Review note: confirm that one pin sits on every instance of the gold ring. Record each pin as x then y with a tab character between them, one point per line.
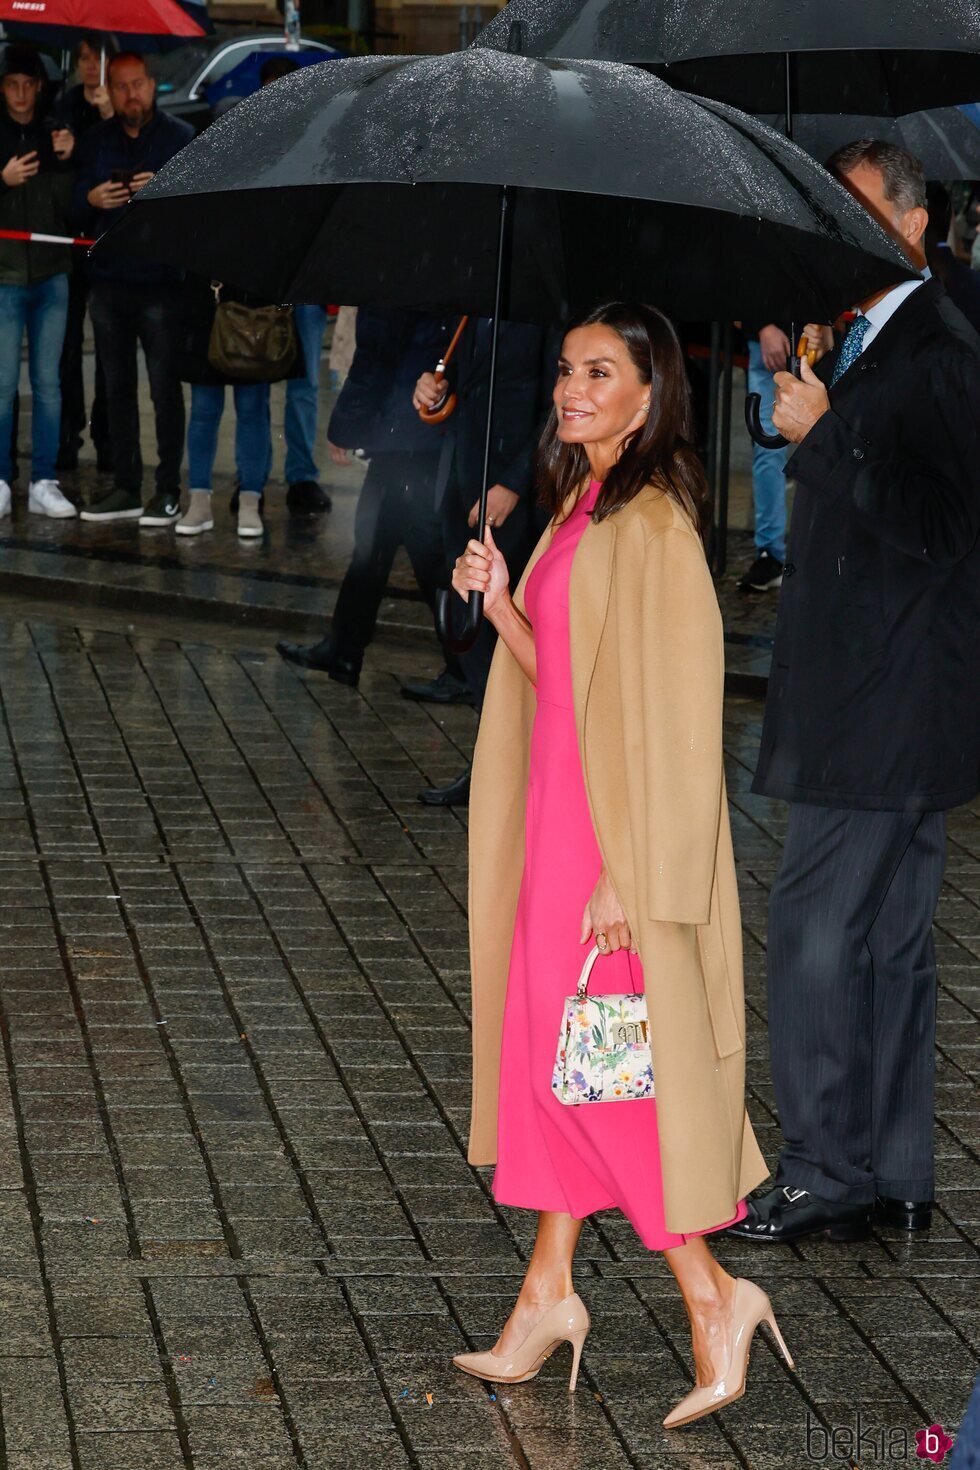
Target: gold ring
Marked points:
601	941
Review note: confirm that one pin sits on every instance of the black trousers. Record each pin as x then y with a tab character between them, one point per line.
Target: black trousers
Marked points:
127	316
852	1001
73	415
516	538
396	508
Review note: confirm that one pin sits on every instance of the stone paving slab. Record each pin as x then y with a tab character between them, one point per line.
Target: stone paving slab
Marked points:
239	1226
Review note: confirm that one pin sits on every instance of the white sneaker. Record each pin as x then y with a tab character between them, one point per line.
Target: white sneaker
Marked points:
197	517
4	498
45	499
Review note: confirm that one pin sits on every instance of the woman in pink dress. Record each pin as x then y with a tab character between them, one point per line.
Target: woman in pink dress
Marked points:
619	440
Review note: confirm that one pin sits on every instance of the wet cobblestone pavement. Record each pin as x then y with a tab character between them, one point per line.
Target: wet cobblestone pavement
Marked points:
238	1225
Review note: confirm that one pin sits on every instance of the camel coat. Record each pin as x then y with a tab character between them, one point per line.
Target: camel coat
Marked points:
648	681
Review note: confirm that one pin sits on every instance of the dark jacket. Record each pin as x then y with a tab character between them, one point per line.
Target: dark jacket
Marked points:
74	112
527	359
42	204
874	692
374	410
106	147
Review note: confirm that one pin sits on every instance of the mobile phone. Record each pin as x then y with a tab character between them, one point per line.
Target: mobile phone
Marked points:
123	176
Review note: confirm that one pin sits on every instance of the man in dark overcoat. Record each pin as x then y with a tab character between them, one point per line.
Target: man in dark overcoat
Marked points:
527	362
871	733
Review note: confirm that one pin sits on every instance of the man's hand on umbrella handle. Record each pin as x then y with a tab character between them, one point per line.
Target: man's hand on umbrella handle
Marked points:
338	454
819	339
500	503
776	347
109	195
800	402
140	181
17	171
63	143
429	392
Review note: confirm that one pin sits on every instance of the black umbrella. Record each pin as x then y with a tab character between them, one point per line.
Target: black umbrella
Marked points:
508	187
880	58
945	141
873	58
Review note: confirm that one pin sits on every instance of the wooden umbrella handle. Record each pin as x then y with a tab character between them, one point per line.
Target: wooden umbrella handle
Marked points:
446	405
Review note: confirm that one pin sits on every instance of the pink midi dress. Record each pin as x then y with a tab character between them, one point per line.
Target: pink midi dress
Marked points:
552	1156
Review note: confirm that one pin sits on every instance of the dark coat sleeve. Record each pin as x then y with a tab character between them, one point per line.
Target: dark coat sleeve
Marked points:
369	381
924	505
84	217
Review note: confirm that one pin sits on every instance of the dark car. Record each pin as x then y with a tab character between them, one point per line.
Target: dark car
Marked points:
187	75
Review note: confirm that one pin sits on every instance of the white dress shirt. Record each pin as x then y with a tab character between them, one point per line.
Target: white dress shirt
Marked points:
885	309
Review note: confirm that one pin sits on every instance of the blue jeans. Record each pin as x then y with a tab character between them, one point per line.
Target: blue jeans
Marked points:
43	310
303	397
768	465
253	441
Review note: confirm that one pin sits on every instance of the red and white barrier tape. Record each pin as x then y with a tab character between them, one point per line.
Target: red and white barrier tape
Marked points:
34	237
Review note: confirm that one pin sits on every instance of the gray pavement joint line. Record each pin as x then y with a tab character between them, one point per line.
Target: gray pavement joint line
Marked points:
27	1169
938	1308
228	1228
340	738
879	1357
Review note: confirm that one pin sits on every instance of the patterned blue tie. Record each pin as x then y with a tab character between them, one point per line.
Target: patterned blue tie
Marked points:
851	346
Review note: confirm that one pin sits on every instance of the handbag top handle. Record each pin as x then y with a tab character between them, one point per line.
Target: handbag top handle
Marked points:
583	979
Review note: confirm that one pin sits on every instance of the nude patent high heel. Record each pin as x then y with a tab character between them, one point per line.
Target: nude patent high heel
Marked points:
750	1307
566	1321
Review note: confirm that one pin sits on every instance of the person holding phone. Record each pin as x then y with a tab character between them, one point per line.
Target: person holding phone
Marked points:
35	188
133	303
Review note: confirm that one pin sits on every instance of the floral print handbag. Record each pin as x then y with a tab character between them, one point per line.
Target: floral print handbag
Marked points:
603	1046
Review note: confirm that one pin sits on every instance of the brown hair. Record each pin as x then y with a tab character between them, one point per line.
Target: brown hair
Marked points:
661	449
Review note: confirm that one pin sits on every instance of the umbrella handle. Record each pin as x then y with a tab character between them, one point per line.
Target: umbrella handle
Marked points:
753	419
463	641
753	422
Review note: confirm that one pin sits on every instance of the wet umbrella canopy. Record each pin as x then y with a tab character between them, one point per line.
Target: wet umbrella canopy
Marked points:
393	181
378	180
881	58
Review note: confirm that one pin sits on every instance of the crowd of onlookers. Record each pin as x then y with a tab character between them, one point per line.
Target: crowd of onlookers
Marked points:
68	167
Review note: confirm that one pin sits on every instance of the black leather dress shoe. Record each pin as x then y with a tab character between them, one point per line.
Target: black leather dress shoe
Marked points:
903	1214
457	793
786	1214
323	657
446	689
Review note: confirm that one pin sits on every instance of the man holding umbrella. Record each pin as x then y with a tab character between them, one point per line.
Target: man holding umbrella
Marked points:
872	733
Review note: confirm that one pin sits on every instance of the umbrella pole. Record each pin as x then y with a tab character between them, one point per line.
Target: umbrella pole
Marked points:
102	65
789	94
461	642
